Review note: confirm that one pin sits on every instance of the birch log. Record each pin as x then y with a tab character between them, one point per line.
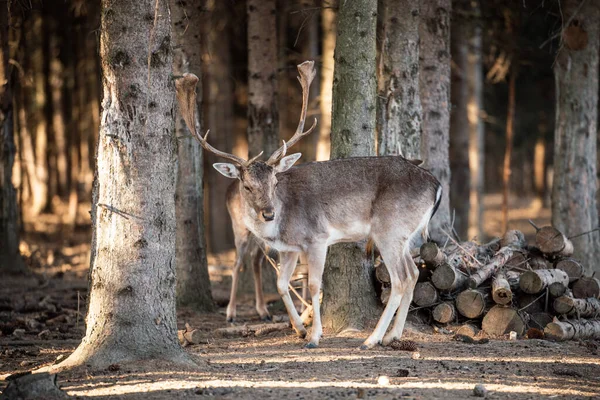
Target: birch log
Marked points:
586	287
500	320
471	303
584	308
490	268
571	329
501	291
444	313
551	241
533	282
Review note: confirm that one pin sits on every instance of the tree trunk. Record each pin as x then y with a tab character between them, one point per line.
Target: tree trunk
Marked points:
193	282
328	27
131	310
466	127
434	32
510	125
263	115
10	258
401	114
349	298
574	183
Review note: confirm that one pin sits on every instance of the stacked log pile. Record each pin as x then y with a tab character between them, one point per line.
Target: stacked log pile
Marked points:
506	285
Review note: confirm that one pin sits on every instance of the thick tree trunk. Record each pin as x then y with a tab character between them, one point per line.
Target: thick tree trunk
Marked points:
218	102
434	32
328	27
466	127
401	114
510	125
193	282
349	298
574	183
263	115
131	311
10	258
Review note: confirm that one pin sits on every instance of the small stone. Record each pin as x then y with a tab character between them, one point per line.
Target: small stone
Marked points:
479	390
19	333
383	380
512	335
59	359
415	355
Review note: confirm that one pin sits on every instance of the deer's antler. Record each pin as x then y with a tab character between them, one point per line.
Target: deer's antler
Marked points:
307	74
185	88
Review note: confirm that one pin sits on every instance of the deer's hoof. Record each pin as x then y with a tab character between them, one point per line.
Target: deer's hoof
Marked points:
230	320
311	345
267	318
301	334
364	347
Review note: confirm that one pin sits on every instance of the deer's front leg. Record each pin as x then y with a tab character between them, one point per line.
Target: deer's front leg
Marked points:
235	276
288	264
315	258
261	305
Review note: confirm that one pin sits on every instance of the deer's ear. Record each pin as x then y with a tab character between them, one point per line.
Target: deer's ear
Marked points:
287	162
228	170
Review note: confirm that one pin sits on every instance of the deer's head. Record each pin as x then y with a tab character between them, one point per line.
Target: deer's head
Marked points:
258	179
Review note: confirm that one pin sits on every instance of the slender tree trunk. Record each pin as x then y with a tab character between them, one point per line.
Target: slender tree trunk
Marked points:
510	126
349	299
193	283
131	311
328	27
219	102
574	185
263	115
434	31
10	258
467	152
400	125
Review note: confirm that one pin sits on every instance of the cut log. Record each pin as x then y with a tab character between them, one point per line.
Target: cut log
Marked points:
571	329
485	272
194	336
469	330
571	266
584	308
533	282
385	295
382	274
444	313
501	291
425	294
447	277
513	278
586	287
551	241
471	303
514	238
432	255
248	330
517	261
500	320
265	329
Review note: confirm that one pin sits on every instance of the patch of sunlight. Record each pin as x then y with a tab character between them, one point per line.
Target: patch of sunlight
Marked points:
123	389
540	360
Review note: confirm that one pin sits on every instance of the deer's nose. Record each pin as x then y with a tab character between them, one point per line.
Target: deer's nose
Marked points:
268	214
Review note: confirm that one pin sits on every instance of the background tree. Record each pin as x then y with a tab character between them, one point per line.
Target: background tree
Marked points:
434	31
467	152
193	283
263	114
401	114
131	309
10	258
574	187
328	28
349	299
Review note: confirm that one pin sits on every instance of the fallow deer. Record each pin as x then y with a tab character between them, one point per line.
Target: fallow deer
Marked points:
305	209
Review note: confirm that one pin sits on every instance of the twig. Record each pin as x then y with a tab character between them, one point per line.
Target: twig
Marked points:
533	301
462	248
537	228
584	233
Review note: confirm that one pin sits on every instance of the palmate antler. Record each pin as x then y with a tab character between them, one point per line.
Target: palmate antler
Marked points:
186	97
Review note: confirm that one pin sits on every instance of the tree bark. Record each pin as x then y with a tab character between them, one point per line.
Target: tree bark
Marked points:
329	28
434	81
510	124
349	298
193	282
10	257
489	269
131	310
219	110
574	183
582	308
263	115
466	127
567	330
401	114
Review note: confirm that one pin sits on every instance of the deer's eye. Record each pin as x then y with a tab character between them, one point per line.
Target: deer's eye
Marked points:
248	189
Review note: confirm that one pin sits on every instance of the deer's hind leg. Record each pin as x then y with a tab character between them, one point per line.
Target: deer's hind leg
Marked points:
391	241
261	306
241	246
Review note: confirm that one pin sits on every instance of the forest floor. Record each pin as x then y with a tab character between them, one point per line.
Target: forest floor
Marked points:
41	321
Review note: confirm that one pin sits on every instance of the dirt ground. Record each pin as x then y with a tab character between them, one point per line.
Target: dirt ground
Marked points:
41	320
